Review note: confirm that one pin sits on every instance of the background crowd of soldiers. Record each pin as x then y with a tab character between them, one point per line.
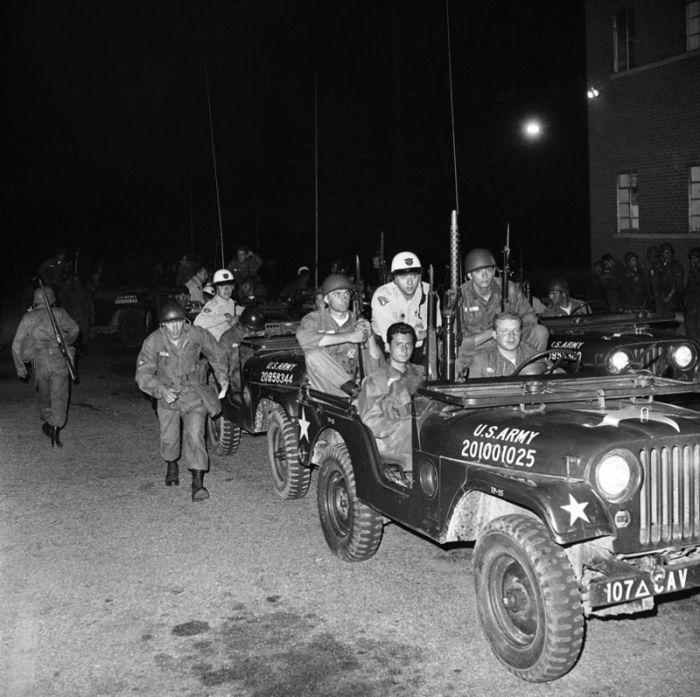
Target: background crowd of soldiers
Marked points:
661	284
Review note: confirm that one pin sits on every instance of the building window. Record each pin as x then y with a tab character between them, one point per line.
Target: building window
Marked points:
692	25
627	206
623	37
694	199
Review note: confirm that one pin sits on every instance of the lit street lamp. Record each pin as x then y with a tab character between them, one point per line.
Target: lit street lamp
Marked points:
532	131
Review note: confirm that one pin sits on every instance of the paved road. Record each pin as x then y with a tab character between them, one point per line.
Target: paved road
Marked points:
112	584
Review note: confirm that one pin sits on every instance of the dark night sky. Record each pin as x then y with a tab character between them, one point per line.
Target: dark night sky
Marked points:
107	141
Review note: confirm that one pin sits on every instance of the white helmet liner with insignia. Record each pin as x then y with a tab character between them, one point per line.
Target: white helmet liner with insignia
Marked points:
223	276
404	262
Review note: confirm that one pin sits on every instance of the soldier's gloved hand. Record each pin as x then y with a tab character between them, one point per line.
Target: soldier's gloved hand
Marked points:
22	372
169	395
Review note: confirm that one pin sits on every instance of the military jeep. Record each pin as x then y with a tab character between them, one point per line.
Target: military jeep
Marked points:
615	343
581	494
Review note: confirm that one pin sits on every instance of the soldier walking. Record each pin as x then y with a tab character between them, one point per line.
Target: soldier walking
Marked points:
35	341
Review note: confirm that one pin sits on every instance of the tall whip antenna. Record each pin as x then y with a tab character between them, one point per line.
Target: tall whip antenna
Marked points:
216	176
316	178
452	103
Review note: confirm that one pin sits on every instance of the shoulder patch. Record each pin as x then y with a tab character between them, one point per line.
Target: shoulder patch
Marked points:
382	300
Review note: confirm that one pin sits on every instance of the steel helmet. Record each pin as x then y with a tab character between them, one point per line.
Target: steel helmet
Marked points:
336	281
558	284
223	276
38	299
667	247
253	318
478	259
171	312
405	261
629	256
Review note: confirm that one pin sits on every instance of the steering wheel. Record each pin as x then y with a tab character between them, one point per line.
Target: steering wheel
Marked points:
584	309
558	356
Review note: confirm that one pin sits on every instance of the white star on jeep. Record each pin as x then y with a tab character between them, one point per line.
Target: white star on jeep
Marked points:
303	426
575	510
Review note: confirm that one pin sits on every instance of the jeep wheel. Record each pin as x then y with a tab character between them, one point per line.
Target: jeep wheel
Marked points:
224	435
528	599
352	529
132	328
289	477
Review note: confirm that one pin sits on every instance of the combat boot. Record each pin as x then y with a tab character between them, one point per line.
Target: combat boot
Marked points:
55	440
46	429
172	476
199	492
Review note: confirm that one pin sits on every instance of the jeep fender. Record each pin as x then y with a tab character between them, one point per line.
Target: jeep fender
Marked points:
571	510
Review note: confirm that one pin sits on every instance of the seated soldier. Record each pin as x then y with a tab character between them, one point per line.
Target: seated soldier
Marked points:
562	304
332	340
384	404
508	353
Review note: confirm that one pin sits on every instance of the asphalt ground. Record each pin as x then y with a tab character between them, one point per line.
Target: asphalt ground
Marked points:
113	584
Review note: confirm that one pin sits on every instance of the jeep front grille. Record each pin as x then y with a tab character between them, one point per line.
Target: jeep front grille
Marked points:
651	356
669	498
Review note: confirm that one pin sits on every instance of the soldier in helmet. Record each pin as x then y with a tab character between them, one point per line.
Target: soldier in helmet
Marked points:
332	338
669	280
219	314
562	304
403	299
35	342
692	295
634	283
169	368
481	302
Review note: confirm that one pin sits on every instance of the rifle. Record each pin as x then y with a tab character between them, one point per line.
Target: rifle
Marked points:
506	270
357	312
59	338
431	358
452	305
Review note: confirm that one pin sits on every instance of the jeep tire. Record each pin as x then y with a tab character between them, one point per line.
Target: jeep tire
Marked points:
289	477
224	435
528	599
352	529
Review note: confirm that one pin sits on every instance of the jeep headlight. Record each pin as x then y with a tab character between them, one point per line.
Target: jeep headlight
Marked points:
618	361
683	356
616	475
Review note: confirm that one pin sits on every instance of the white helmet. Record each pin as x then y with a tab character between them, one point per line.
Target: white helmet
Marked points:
405	261
222	276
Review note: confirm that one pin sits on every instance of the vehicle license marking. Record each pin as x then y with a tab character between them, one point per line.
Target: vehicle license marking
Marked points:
276	377
624	590
498	453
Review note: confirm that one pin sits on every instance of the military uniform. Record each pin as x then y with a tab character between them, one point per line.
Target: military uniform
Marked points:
492	364
384	405
163	364
572	308
478	316
390	305
328	367
213	316
35	341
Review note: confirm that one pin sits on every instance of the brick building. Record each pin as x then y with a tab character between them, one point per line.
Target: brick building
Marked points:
643	62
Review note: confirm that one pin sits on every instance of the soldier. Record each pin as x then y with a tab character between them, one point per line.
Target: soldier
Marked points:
219	314
562	304
634	283
195	285
331	340
384	403
403	299
481	302
692	295
54	270
169	368
35	341
244	264
670	281
508	352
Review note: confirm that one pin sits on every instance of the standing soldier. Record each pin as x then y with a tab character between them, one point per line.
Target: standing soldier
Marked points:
404	299
692	296
635	284
169	368
35	341
670	281
481	302
219	314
